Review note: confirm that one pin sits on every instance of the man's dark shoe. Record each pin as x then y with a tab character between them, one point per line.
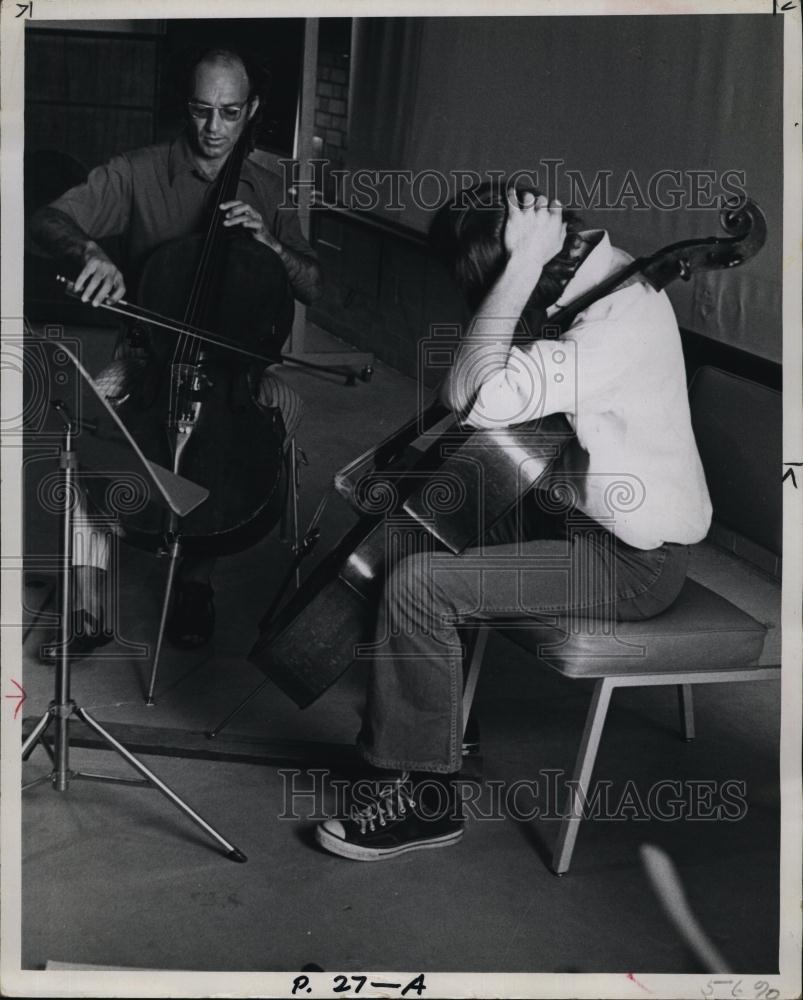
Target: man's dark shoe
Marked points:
392	820
86	635
192	619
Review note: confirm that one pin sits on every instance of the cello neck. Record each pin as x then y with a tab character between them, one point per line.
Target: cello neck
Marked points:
565	317
229	178
205	289
746	227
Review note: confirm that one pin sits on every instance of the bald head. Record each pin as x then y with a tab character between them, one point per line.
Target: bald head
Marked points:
220	104
221	63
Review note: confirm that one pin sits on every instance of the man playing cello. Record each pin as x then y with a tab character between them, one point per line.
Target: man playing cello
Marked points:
149	196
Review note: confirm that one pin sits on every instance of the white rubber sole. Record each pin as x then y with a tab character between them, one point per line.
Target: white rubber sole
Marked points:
357	853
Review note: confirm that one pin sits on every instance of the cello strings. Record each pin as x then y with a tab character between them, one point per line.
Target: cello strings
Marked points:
213	230
183	353
183	350
188	349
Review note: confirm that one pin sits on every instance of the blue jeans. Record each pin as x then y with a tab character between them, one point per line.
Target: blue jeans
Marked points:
532	564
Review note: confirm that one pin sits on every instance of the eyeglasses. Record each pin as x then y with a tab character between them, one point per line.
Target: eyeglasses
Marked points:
228	112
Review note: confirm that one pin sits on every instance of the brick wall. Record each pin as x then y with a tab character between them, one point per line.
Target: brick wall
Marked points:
331	102
382	290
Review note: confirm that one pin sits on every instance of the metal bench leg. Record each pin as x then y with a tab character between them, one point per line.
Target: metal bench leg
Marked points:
686	706
581	779
475	650
478	644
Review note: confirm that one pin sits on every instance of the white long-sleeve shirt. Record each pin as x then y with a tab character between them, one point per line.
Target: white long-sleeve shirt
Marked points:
619	377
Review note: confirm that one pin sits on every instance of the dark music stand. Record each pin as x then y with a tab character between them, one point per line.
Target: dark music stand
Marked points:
178	495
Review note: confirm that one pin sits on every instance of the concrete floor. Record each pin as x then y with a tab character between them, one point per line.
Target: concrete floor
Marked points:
116	876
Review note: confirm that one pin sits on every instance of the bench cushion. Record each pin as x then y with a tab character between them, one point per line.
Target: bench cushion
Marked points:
748	588
701	631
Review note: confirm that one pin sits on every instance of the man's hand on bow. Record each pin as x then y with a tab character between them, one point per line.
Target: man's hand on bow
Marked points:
100	279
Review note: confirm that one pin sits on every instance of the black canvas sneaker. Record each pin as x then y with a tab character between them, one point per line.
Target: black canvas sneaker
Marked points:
392	821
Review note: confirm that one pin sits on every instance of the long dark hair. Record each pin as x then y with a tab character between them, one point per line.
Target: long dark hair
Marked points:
467	234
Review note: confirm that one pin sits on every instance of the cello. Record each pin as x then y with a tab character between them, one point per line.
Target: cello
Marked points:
407	505
193	410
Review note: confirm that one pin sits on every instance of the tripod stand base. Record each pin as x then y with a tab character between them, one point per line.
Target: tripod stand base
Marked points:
61	776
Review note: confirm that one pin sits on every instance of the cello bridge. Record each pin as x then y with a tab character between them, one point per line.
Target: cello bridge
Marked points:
188	386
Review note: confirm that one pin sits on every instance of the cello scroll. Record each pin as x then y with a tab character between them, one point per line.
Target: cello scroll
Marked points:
747	228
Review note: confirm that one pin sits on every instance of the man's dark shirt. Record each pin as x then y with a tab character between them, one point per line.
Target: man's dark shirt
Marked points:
151	195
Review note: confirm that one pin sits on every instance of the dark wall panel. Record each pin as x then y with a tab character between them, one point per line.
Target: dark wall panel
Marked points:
89	94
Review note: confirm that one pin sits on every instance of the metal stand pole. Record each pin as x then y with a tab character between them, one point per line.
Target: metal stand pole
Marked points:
174	553
294	488
63	708
236	711
68	464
